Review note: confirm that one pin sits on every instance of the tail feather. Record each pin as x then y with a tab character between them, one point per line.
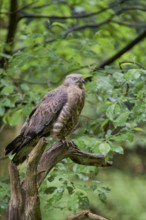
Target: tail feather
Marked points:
14	145
21	147
21	155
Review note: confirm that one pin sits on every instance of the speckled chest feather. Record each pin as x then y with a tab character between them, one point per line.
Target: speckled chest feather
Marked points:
69	115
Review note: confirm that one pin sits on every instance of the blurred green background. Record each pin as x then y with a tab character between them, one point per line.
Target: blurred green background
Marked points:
43	41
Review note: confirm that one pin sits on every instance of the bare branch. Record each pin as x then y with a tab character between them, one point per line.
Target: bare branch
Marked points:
83	15
131	62
130	45
32	163
92	26
77	16
106	21
16	202
133	7
79	28
109	20
136	25
50	158
35	45
85	214
31	188
13	19
24	203
12	25
62	150
26	6
41	6
89	159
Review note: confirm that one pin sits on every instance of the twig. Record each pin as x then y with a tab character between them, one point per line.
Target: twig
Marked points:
79	28
130	45
106	21
136	25
79	68
85	214
131	62
26	6
78	16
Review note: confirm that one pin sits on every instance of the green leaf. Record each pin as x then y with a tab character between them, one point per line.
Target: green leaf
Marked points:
7	90
62	25
70	189
7	102
118	76
132	74
119	150
78	200
24	87
57	195
110	111
50	190
102	193
124	137
104	148
14	118
139	85
138	129
121	119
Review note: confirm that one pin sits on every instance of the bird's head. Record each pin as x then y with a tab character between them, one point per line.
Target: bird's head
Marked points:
74	79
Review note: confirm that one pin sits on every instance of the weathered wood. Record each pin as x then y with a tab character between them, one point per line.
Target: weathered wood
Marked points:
16	205
85	214
32	203
24	202
60	150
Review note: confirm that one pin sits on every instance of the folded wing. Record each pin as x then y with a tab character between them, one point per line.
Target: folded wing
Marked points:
38	124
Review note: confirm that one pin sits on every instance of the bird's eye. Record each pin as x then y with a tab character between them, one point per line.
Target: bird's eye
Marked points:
74	78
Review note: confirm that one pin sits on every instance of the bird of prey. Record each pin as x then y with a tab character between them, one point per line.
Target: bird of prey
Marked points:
57	114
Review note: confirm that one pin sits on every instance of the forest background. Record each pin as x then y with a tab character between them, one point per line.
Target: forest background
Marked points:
43	41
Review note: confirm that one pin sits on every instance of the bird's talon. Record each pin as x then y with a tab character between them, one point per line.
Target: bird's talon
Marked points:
45	140
67	143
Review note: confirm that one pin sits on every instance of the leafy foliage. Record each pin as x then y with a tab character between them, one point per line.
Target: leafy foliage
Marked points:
4	194
54	38
118	203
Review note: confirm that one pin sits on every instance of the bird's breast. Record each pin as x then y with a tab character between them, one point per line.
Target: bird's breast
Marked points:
64	123
69	115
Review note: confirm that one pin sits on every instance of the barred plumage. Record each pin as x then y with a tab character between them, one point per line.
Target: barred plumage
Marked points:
57	114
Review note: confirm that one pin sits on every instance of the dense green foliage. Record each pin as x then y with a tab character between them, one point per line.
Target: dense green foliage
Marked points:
54	38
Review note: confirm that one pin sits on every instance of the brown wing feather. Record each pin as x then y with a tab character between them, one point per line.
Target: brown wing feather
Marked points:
45	112
40	118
